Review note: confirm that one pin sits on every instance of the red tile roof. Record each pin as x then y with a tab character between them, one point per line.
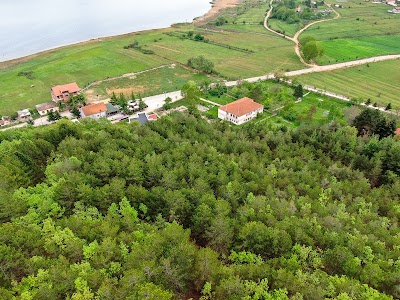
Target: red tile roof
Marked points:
397	131
152	117
241	107
58	90
93	109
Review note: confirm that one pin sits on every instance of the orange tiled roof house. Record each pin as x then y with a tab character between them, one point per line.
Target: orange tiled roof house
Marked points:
94	110
240	111
64	92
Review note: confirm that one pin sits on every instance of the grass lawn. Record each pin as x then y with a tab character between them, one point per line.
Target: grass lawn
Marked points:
220	100
378	81
154	82
212	113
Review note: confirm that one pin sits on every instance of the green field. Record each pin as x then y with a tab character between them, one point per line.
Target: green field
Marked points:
157	81
285	28
248	12
83	63
377	81
364	29
340	50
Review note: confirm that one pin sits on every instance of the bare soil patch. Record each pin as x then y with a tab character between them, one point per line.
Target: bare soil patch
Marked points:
217	5
127	91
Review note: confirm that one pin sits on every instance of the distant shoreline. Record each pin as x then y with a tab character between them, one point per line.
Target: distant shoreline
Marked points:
216	6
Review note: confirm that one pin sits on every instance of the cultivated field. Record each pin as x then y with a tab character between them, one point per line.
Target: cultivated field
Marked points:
377	81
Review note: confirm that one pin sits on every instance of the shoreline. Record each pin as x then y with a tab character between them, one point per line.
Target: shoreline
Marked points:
216	6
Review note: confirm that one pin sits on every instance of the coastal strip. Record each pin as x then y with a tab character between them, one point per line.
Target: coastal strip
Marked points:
217	5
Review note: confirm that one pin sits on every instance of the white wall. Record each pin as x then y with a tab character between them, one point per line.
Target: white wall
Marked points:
238	120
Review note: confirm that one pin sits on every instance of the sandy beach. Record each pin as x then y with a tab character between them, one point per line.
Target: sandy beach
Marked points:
217	5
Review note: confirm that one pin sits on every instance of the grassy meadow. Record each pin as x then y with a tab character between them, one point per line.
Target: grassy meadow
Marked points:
285	28
157	81
83	63
364	29
377	81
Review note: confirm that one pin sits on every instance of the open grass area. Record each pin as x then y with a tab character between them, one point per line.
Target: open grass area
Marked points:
364	29
157	81
248	12
285	28
266	54
224	99
340	50
82	63
377	81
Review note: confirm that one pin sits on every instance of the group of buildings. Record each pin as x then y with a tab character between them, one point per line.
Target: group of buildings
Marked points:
237	112
394	3
63	94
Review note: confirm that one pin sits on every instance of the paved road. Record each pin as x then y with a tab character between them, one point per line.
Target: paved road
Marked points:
343	65
157	101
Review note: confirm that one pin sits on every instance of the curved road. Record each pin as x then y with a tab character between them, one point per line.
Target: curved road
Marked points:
295	39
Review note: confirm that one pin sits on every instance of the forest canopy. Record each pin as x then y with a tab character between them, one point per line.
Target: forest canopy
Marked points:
183	208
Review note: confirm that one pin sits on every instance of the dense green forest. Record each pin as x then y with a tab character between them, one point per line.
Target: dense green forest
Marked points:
183	208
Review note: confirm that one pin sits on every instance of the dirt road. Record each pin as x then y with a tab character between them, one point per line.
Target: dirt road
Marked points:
295	39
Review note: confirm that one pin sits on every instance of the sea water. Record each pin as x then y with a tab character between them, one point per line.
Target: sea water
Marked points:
31	26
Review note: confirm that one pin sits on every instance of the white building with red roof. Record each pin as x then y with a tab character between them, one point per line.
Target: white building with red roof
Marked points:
240	111
64	92
94	110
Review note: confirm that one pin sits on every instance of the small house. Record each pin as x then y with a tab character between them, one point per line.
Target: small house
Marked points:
5	121
24	115
111	110
44	108
152	117
64	92
141	118
94	110
240	111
